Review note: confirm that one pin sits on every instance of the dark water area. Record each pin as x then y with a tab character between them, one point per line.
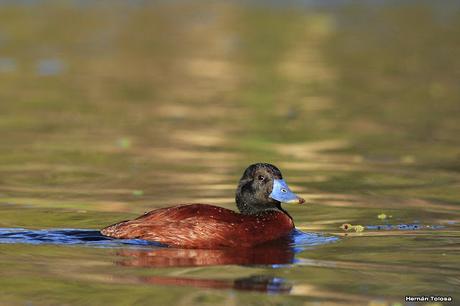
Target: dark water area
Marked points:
109	109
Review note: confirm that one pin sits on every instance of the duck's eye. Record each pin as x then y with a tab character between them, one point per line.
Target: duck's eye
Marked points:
261	177
283	190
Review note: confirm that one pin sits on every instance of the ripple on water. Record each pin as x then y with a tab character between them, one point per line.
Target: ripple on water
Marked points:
66	237
90	237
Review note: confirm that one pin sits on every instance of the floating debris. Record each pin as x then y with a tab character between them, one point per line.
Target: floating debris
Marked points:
124	143
407	159
382	216
138	193
403	227
388	227
349	227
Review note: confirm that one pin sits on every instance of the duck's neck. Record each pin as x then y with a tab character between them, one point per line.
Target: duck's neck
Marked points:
248	209
284	211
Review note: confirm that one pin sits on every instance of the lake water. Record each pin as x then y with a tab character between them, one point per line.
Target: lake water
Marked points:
109	109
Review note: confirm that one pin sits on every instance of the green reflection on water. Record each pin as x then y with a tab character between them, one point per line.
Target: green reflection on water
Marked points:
358	105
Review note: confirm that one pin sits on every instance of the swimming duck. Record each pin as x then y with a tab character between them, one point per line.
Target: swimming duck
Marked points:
259	195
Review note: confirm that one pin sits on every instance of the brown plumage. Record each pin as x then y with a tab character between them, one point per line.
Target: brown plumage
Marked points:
203	226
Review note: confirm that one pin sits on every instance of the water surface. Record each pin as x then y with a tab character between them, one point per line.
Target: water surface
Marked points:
137	105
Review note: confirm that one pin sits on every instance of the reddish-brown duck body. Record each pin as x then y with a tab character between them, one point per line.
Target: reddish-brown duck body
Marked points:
204	226
259	195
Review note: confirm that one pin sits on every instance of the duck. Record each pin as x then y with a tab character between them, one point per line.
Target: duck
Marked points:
261	219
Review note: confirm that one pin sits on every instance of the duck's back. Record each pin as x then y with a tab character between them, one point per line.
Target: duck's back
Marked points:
203	226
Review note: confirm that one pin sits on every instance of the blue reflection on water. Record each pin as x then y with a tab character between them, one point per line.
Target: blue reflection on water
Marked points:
403	227
7	64
66	237
50	66
300	240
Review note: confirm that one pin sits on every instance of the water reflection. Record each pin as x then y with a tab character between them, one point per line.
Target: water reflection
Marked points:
279	252
144	254
66	237
50	66
124	110
260	283
275	253
152	254
7	65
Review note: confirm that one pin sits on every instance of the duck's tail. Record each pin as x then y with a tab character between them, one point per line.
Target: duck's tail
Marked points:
115	230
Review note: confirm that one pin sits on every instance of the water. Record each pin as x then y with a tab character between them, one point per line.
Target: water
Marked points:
298	240
134	105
